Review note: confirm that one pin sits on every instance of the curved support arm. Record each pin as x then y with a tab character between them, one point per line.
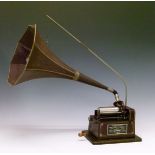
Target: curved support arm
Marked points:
99	58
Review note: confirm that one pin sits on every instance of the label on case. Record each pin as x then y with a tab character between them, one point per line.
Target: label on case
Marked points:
117	129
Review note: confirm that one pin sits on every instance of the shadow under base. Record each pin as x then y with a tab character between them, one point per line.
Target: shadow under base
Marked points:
96	141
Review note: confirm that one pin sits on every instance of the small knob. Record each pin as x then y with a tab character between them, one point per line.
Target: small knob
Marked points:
82	133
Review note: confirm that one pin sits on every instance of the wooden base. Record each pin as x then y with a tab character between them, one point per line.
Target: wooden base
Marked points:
96	141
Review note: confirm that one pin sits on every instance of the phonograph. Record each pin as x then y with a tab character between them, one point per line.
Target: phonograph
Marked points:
32	59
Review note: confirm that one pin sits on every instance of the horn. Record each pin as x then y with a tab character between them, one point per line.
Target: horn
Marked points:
32	60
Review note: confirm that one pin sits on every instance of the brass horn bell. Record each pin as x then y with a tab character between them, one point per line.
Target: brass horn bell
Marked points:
32	59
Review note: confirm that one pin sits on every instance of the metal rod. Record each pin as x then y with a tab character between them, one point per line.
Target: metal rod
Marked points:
96	55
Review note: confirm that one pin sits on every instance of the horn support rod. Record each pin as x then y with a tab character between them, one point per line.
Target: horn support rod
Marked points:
99	58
